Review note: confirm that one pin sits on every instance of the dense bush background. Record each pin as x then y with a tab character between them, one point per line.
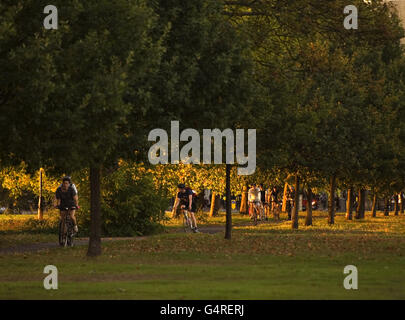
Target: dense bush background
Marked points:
131	204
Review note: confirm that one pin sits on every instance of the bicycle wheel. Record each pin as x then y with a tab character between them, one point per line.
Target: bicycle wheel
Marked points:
61	238
70	233
68	230
63	233
186	223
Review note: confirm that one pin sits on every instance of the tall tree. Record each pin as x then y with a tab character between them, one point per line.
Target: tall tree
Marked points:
205	76
102	52
349	204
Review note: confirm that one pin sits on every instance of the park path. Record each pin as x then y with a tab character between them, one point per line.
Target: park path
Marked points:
33	247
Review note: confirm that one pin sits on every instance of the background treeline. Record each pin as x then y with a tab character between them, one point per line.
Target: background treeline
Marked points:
327	102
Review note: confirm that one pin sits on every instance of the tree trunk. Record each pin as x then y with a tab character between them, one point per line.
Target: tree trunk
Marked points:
40	201
386	207
244	207
212	207
396	207
294	218
358	209
228	228
374	207
349	204
284	206
360	213
331	202
215	201
95	212
363	204
401	195
308	220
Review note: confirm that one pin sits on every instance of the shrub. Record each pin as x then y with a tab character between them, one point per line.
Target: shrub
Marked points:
130	205
30	223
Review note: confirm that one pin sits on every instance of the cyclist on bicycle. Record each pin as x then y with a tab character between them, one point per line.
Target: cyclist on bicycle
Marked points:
263	200
289	201
254	198
185	199
274	202
66	197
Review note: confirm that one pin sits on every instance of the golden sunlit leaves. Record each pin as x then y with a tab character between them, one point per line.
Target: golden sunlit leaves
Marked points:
17	181
198	177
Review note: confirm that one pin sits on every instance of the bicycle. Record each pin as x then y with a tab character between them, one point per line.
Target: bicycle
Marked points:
254	210
187	225
263	215
66	232
275	210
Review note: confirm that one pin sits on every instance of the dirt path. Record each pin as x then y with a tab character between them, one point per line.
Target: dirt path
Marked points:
33	247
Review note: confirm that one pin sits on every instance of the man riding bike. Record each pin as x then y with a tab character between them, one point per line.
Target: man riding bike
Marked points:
66	197
185	199
289	201
274	202
263	200
254	198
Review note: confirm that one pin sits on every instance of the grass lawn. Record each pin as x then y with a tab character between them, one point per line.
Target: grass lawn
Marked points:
269	261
